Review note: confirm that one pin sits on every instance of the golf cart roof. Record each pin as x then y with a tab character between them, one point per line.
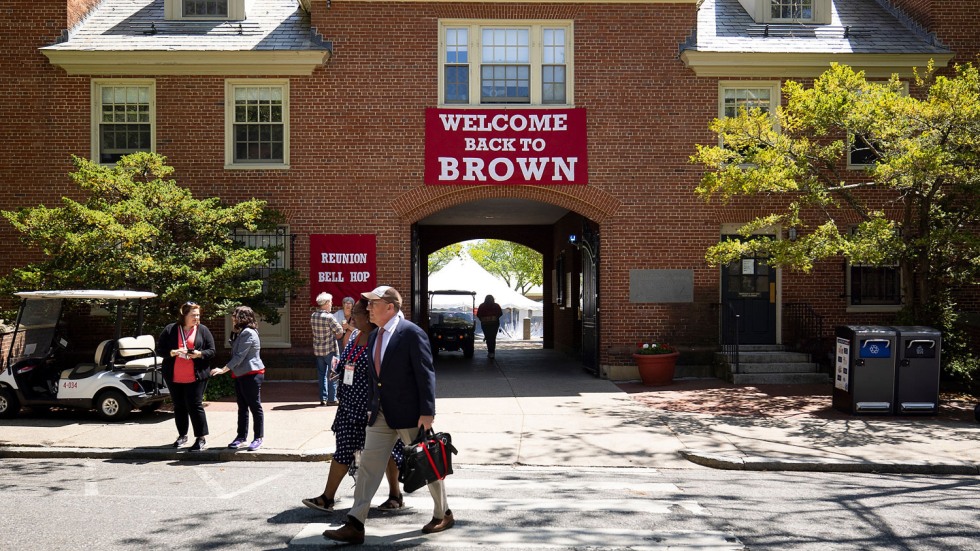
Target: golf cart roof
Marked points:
88	294
452	292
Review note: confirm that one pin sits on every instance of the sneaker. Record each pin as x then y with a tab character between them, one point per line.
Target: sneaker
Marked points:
199	444
332	402
236	443
256	444
323	402
181	440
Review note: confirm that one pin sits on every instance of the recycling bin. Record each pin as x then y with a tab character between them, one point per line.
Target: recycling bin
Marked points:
917	369
864	378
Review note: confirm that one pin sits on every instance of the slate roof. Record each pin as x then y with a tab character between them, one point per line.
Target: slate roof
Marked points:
724	26
139	25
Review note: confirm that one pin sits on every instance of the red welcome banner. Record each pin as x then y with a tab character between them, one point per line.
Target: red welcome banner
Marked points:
342	265
505	147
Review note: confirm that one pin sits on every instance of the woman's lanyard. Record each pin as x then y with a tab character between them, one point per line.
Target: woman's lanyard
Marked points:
184	337
360	350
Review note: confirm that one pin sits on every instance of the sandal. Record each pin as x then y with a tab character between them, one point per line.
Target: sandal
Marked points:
393	504
320	503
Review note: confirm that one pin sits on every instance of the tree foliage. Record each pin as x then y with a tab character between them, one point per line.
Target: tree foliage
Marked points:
519	266
917	206
443	256
137	229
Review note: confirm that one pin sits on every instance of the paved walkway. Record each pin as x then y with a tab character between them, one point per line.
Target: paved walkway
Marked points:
536	407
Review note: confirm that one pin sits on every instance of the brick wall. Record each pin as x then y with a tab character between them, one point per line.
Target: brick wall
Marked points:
357	142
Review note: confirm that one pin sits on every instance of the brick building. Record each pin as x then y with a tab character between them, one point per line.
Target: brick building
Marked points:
353	117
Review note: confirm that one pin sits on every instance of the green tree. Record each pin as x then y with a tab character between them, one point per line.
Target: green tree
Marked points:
136	229
443	256
519	266
917	206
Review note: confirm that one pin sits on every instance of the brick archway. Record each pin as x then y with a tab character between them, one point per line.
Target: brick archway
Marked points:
590	202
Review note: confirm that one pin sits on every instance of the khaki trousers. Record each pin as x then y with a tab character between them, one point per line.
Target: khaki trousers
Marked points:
380	438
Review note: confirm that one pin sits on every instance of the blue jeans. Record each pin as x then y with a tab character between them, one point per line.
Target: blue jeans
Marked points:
328	389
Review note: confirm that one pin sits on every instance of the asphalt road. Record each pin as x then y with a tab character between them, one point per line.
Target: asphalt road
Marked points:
107	505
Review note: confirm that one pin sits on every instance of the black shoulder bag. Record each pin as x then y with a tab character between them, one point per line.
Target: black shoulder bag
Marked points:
427	459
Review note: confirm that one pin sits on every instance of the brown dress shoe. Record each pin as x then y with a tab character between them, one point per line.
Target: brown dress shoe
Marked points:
346	533
439	524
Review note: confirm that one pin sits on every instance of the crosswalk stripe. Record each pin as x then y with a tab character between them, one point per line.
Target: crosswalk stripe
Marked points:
380	534
628	505
453	483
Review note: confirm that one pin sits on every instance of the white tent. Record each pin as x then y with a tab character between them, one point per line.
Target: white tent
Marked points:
463	273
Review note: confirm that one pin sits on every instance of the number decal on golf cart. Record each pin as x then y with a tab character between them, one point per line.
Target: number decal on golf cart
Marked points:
69	384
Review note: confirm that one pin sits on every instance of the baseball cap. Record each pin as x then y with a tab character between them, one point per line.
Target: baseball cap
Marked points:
385	293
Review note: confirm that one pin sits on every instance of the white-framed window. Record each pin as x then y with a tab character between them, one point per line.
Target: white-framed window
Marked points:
817	12
278	335
257	123
123	118
505	62
791	10
736	95
748	95
873	288
862	153
204	10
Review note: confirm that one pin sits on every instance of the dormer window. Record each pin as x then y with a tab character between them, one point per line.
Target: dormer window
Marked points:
204	10
792	10
816	12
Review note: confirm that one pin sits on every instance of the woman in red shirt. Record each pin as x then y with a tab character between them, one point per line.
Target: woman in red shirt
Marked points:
187	347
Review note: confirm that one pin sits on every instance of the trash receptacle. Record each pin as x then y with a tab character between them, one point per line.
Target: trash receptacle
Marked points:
864	381
917	369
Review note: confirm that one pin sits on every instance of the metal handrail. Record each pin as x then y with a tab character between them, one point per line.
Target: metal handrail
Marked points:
803	329
730	344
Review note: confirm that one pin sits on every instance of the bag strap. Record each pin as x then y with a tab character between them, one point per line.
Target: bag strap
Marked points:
432	463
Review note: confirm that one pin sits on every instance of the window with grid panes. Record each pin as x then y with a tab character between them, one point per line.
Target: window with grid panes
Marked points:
795	10
199	8
875	285
505	69
259	128
735	96
484	64
124	115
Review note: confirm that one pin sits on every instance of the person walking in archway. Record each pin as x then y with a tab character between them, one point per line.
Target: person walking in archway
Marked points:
489	313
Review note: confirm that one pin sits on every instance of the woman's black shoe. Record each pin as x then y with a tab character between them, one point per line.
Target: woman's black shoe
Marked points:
181	440
199	444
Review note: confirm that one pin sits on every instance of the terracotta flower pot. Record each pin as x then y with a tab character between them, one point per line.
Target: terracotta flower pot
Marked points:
656	369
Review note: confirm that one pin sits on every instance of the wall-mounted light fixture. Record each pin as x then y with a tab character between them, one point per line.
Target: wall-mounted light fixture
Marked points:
792	233
573	240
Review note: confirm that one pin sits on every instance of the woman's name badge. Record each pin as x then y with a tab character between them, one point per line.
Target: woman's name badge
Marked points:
348	374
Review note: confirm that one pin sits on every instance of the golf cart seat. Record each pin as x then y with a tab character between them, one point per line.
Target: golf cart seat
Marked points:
137	354
104	352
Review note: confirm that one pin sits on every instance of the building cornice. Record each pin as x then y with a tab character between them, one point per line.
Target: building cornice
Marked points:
742	64
248	63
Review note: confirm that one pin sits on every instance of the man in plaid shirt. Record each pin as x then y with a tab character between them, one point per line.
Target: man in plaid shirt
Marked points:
326	331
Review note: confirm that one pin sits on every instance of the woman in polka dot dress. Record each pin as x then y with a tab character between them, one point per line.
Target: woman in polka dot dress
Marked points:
350	423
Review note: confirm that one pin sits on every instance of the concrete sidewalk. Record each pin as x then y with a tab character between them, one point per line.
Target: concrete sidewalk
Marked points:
537	407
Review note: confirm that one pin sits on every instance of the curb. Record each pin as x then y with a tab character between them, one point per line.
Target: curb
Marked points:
757	463
158	454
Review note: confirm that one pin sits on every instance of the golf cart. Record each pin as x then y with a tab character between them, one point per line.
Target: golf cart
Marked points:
42	369
451	321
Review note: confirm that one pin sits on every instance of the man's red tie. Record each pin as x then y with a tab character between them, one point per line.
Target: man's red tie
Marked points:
377	351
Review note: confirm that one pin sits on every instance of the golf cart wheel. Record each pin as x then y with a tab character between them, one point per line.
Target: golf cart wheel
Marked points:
112	405
150	408
9	405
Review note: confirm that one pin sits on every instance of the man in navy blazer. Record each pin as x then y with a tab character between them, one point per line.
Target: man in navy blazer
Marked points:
402	399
